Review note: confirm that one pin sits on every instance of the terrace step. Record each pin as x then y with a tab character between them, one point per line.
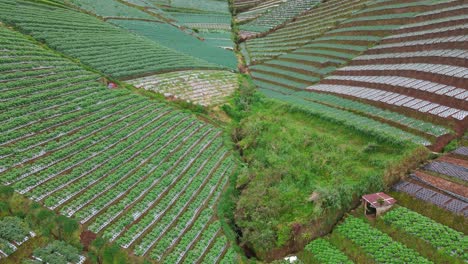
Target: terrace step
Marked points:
425	193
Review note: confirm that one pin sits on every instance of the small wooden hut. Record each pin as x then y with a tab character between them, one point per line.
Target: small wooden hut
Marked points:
377	203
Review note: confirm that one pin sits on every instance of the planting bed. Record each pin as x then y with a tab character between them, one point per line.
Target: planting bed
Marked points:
200	87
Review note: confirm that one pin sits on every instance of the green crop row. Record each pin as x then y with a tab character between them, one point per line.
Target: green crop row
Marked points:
324	252
440	236
377	245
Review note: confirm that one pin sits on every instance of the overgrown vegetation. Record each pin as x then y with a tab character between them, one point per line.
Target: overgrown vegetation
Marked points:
301	168
54	233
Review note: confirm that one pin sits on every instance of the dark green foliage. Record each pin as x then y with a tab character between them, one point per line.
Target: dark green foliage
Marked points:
57	252
451	146
103	252
66	225
13	229
6	192
243	99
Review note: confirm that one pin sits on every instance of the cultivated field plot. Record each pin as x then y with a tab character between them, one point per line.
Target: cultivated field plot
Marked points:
441	182
203	21
200	87
442	237
278	15
211	6
303	29
363	123
220	39
134	171
56	252
177	39
324	252
420	68
323	55
448	169
107	48
445	201
112	9
462	151
250	9
379	246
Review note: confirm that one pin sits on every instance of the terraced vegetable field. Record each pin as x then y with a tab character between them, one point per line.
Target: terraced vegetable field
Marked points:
135	171
200	87
442	237
441	182
278	15
305	28
112	9
379	246
407	91
250	9
95	43
173	37
94	170
168	35
414	69
362	240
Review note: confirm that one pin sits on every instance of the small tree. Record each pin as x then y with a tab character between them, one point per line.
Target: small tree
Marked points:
6	192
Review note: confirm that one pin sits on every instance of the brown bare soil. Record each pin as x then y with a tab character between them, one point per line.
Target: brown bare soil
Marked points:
443	184
86	238
456	161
